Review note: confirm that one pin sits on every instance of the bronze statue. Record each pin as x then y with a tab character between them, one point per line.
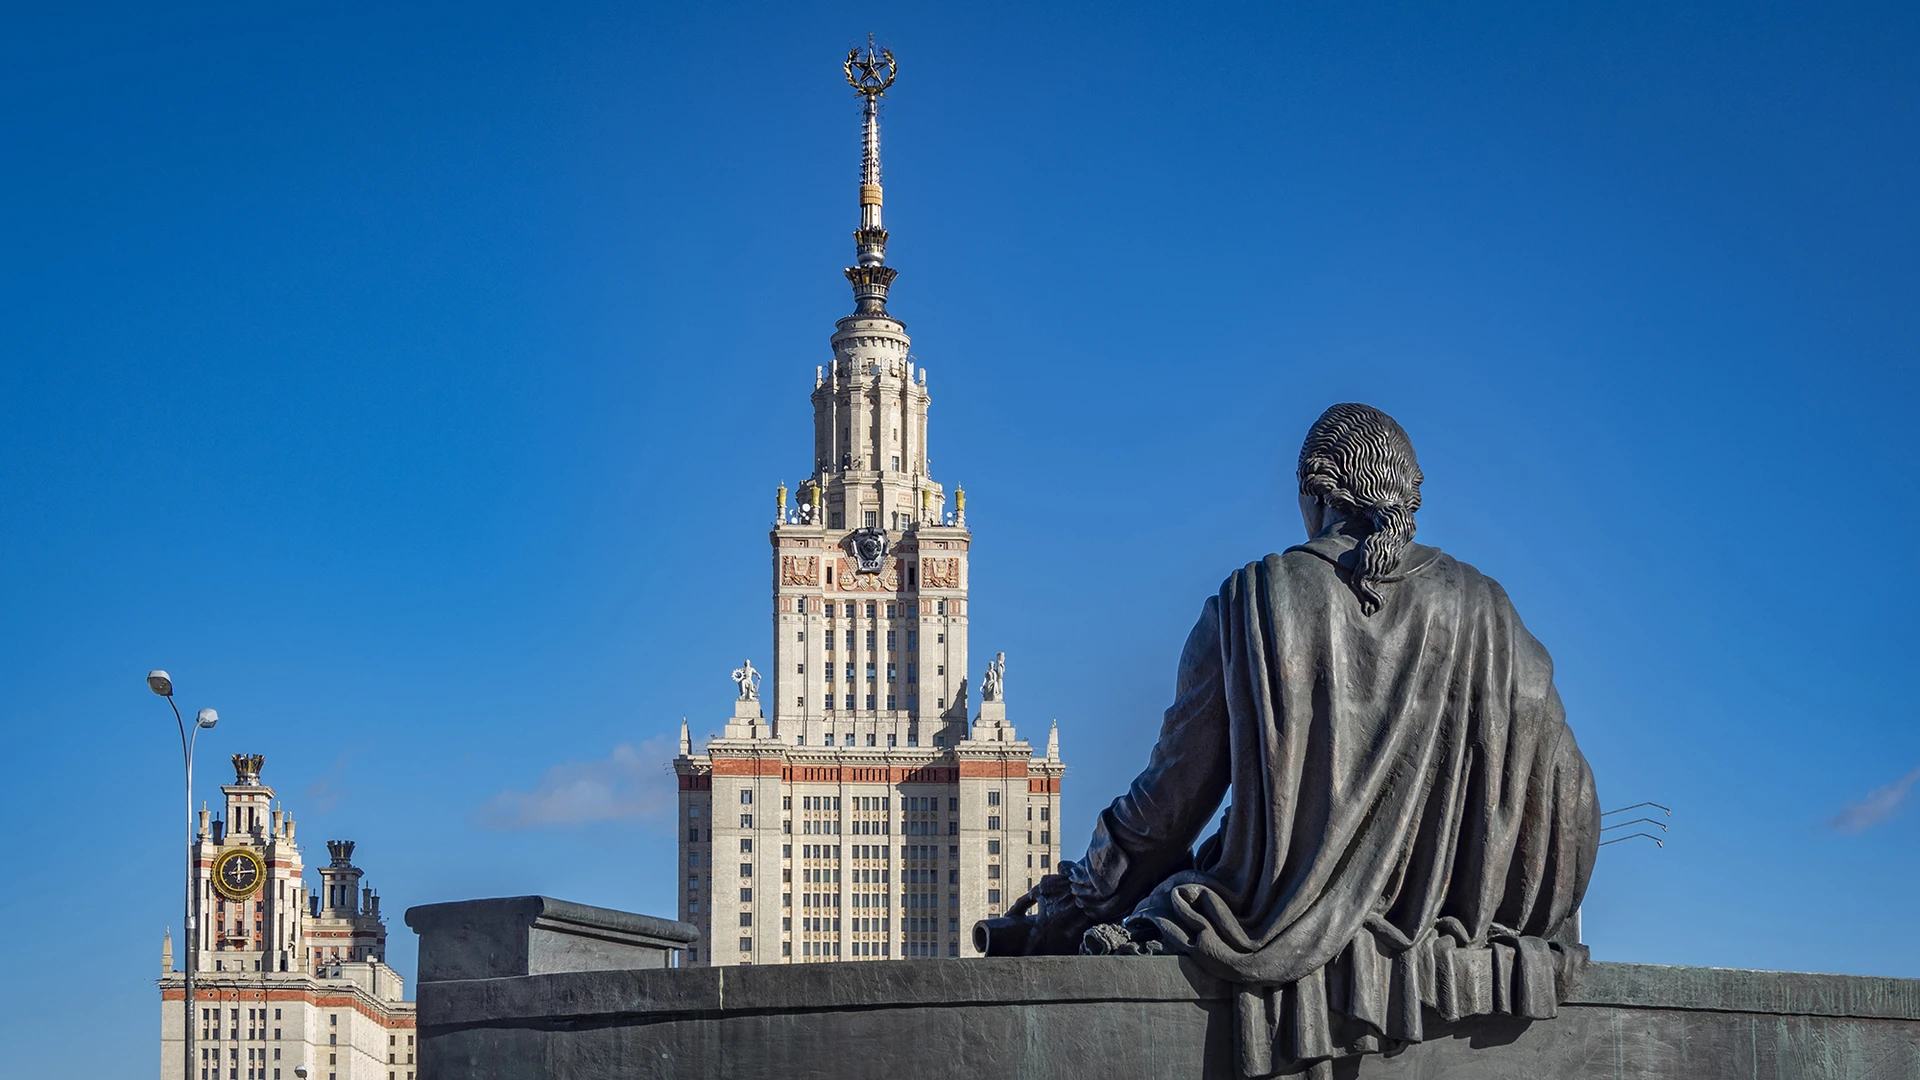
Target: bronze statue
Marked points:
1412	826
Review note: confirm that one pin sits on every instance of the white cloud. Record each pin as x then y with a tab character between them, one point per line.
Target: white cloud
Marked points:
632	782
1878	806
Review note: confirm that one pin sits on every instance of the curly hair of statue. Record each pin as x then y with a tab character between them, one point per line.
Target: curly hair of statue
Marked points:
1357	460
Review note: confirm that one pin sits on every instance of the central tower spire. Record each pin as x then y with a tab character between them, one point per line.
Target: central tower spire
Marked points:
870	75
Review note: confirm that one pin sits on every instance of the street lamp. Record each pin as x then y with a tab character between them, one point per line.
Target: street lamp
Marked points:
161	683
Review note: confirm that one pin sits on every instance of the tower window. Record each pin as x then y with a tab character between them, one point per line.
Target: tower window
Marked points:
872	518
871	608
939	607
896	463
891	608
849	614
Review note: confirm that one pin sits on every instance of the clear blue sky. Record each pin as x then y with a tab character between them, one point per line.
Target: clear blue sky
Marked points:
413	385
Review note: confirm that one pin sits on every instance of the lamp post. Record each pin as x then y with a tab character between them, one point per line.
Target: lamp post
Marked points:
161	683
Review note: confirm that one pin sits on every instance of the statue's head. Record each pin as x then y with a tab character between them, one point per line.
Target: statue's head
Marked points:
1357	463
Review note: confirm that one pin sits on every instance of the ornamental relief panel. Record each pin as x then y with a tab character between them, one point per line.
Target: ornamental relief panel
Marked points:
940	573
799	570
849	579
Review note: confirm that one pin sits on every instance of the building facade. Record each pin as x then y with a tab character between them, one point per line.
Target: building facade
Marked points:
284	977
866	803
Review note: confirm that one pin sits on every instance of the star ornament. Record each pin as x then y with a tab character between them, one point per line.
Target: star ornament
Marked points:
870	74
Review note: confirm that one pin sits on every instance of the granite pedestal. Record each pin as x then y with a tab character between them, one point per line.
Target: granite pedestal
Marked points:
594	1007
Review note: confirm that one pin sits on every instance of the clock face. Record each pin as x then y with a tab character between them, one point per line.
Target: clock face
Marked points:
237	873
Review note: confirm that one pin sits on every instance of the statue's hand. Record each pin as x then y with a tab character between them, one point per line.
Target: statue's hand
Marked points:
1058	921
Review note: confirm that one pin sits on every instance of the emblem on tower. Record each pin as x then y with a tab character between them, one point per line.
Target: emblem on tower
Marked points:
870	74
869	549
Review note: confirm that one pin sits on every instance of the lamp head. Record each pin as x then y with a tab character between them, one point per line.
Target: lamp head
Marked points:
160	682
207	718
300	1071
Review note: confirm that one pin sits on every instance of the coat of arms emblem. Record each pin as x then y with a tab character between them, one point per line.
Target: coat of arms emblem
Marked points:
869	548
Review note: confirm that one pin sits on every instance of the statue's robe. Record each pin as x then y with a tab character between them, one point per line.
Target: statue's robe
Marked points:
1412	826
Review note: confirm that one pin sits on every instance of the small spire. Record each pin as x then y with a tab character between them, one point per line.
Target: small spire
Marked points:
166	952
686	739
1053	742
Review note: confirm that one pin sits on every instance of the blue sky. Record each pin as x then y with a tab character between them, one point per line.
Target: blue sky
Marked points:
413	385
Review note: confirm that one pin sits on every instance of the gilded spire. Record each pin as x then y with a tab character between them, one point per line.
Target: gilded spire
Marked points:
870	74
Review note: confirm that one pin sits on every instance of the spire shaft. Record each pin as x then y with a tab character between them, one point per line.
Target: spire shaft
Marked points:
870	75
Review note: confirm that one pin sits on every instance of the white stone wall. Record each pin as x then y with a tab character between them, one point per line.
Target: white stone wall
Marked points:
268	1025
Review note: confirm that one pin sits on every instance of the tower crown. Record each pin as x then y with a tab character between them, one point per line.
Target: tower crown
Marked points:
246	768
870	74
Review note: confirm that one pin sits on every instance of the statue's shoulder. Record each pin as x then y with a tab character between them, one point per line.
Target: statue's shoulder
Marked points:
1298	567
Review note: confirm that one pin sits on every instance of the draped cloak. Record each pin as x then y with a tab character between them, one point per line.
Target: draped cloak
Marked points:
1411	829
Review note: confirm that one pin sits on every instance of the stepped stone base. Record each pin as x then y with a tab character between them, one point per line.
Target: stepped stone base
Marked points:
1123	1017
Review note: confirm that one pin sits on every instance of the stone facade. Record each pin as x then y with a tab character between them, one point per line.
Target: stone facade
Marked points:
284	977
870	804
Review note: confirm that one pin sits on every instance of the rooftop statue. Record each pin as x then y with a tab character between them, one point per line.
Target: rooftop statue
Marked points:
1411	826
748	680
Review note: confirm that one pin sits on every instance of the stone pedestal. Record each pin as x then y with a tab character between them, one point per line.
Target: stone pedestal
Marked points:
517	936
991	725
747	722
1120	1017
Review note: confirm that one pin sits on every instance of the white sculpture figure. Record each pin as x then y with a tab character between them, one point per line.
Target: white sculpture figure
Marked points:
993	686
748	680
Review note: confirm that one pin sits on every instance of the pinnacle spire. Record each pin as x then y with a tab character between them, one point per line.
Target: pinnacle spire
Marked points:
870	74
1053	742
686	739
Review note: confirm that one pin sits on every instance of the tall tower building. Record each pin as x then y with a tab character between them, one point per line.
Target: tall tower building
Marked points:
283	978
872	803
